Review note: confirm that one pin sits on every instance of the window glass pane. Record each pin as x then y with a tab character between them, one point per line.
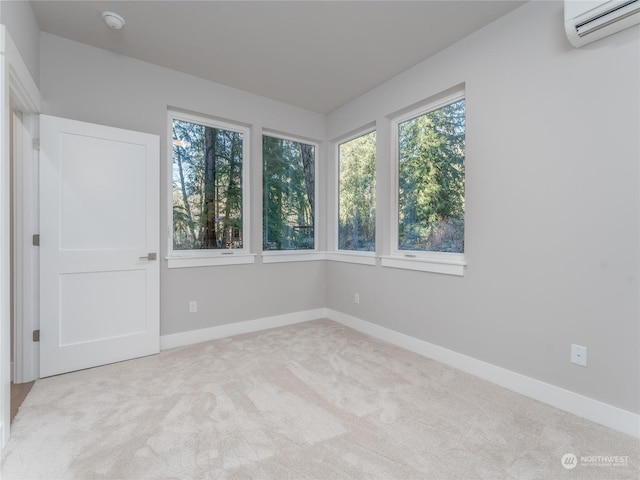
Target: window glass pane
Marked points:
207	187
289	194
357	194
431	181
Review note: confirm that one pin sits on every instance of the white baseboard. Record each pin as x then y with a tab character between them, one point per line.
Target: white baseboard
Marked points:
212	333
585	407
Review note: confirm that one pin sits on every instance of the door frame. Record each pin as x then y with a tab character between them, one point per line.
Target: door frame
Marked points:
25	254
17	88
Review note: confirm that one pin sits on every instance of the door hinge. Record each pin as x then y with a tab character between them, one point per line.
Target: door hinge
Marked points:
36	335
36	240
36	144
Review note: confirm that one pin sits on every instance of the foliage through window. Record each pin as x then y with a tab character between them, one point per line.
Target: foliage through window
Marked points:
431	180
357	194
289	194
208	163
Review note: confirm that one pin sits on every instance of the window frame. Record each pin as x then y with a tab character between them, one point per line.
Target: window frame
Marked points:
337	254
210	257
436	262
278	256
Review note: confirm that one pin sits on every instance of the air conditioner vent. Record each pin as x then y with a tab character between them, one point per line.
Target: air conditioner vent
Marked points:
588	21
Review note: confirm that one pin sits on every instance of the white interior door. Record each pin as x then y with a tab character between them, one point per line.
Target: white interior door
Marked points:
99	273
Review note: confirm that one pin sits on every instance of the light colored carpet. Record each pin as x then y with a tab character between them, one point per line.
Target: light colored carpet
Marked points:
310	401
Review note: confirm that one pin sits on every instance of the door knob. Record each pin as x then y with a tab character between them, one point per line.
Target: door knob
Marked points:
150	256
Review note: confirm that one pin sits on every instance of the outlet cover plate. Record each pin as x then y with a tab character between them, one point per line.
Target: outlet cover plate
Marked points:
579	355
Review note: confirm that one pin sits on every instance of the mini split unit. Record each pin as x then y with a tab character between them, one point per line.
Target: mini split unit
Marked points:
586	21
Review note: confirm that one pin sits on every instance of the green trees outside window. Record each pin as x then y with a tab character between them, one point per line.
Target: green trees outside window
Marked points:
357	194
288	194
210	194
431	180
207	187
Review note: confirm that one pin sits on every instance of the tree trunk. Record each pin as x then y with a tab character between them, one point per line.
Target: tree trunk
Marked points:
232	193
185	200
209	239
306	153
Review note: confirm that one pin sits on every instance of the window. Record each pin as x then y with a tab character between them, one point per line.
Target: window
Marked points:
357	194
288	194
430	177
209	200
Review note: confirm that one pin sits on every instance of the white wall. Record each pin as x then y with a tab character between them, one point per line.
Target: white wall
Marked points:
552	215
88	84
17	16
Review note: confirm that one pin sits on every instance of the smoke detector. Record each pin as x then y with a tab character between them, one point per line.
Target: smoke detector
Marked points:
113	20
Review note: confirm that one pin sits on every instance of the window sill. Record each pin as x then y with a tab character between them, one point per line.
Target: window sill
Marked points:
292	256
447	266
362	258
210	261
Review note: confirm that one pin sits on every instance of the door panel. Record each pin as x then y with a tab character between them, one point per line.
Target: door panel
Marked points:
91	295
99	212
95	215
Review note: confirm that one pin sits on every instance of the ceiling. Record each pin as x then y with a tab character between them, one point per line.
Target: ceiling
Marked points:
314	54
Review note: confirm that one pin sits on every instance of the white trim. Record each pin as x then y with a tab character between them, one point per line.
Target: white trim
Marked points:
335	197
19	249
17	86
203	258
26	256
585	407
431	261
192	337
316	184
5	235
23	90
571	402
208	261
26	98
453	265
439	101
281	256
355	133
362	258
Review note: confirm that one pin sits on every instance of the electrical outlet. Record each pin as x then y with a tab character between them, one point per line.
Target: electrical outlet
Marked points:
579	355
193	306
356	298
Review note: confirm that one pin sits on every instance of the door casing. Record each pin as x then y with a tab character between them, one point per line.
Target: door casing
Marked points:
18	88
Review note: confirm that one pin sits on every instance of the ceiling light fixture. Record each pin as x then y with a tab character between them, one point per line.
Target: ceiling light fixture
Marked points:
113	20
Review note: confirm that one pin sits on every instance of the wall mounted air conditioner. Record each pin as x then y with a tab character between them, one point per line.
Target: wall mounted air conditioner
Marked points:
586	21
